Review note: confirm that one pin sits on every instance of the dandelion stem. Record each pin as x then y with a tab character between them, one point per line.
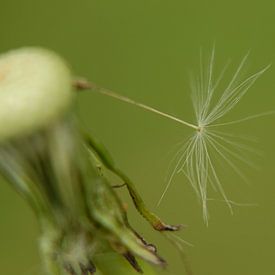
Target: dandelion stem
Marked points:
85	85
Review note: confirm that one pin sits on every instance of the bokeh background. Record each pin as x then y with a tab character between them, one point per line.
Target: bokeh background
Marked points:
145	49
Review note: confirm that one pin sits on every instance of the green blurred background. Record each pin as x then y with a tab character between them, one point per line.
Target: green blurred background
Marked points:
145	49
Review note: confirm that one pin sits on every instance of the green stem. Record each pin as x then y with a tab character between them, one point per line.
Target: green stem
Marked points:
140	205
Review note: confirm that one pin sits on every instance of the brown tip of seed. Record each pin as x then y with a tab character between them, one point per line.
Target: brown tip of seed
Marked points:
166	227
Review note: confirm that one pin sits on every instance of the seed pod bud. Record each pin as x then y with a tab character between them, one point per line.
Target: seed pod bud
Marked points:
35	89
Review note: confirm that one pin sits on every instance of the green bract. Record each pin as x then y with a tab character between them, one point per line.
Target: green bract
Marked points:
35	90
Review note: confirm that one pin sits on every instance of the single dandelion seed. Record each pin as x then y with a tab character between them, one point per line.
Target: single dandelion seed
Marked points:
194	159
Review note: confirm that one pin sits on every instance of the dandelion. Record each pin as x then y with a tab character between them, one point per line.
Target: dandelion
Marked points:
47	158
53	163
211	103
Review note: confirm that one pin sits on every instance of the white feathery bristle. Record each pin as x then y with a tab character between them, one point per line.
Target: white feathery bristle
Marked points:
195	157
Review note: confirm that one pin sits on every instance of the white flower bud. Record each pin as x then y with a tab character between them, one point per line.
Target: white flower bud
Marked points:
35	90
